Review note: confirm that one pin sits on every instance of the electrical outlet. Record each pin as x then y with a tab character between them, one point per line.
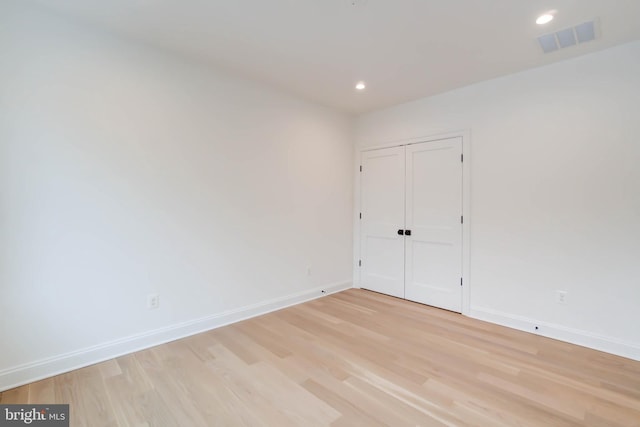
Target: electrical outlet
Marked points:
561	297
308	271
153	301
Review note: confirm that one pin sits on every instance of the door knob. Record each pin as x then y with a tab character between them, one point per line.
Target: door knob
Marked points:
401	232
407	232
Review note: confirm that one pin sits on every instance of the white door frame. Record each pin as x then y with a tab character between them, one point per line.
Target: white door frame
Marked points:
466	208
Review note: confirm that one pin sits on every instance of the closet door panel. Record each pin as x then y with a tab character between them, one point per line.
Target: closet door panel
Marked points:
433	264
382	207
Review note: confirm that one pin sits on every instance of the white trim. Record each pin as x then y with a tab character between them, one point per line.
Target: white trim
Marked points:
466	204
357	159
34	371
408	141
574	336
466	226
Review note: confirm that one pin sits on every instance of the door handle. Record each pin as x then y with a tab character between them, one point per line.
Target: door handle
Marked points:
400	232
407	232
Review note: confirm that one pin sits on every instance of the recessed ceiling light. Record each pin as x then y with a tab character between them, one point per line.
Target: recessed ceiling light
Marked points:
544	19
360	86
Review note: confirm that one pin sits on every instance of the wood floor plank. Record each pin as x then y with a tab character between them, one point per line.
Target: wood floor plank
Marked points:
355	358
15	396
42	391
340	404
85	387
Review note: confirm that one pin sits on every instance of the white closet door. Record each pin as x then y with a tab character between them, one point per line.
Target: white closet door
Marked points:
433	266
382	207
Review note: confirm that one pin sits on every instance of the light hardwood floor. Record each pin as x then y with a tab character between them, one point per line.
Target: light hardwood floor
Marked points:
355	358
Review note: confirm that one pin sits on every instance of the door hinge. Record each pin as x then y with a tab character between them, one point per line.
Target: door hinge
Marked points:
360	168
462	157
359	263
360	215
462	220
461	281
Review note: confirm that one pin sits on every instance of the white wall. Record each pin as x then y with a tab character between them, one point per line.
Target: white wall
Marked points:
555	193
126	171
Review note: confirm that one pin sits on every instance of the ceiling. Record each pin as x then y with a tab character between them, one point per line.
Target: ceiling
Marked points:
319	49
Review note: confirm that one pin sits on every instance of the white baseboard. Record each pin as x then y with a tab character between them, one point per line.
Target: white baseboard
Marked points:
30	372
574	336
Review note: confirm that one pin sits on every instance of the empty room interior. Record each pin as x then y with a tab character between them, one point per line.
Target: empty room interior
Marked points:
320	212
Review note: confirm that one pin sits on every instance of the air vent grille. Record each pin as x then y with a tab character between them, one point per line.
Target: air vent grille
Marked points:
567	37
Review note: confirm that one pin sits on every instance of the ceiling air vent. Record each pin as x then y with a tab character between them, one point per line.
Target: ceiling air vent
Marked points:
568	37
